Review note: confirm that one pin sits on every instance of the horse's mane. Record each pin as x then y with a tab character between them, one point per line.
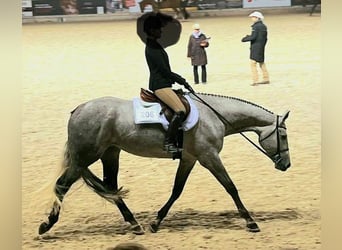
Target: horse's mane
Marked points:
236	99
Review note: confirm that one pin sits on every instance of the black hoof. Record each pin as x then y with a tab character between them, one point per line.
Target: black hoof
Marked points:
154	226
138	229
253	227
44	227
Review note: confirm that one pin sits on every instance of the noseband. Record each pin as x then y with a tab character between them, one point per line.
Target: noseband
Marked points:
276	158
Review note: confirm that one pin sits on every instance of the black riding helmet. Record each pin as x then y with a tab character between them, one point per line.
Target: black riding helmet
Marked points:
171	27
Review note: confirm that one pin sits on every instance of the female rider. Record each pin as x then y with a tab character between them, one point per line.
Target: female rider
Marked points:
162	78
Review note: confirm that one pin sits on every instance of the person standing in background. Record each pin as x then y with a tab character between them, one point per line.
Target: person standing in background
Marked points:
258	40
196	51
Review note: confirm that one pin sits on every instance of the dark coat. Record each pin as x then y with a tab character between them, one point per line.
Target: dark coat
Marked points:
258	40
157	59
196	51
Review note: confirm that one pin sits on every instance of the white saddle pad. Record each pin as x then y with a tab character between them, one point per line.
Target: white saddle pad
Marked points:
149	112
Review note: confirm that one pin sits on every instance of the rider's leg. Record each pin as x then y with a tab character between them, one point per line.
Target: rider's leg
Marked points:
169	97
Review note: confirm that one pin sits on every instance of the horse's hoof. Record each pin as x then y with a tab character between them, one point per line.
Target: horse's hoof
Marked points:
154	226
138	229
253	227
44	227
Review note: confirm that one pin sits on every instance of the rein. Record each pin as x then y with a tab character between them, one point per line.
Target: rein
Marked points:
275	158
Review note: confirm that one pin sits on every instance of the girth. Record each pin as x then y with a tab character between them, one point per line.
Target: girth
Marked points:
148	96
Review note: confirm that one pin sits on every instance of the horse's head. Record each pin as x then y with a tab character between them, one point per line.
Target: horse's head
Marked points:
274	142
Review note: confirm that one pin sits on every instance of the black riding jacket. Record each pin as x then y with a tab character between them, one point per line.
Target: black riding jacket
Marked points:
157	59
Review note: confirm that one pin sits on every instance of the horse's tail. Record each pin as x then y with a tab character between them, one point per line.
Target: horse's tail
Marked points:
97	185
67	158
93	182
66	163
48	191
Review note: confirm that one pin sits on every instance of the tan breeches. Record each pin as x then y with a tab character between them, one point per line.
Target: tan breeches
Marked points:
169	97
255	71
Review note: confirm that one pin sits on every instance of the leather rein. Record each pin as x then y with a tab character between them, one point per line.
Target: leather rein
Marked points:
276	158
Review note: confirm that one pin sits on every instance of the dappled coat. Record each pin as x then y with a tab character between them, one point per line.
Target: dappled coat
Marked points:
258	40
196	51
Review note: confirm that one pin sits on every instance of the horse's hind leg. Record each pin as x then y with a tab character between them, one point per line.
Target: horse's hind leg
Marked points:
110	161
63	184
215	166
183	171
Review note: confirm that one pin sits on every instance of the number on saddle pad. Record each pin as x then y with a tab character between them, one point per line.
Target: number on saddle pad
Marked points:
146	112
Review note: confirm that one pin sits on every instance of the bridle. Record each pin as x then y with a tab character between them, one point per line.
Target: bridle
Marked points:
276	158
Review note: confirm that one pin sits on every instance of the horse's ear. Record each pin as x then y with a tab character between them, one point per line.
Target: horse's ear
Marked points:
284	117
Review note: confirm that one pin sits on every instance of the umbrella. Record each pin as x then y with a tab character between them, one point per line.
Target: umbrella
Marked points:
170	32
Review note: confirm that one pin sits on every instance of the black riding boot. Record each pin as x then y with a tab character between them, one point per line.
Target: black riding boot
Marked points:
171	133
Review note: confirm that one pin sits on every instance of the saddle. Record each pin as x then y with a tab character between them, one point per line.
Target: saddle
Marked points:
148	96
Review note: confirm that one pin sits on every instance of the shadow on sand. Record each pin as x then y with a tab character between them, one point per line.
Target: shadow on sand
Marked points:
188	219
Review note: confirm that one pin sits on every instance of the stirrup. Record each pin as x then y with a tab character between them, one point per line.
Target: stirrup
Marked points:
171	148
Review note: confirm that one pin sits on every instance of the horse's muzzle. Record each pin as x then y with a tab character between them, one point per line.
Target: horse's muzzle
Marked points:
280	163
281	166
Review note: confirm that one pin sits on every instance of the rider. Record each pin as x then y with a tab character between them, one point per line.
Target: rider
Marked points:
162	78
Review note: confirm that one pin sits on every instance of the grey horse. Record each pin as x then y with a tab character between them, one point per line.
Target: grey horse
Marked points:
101	128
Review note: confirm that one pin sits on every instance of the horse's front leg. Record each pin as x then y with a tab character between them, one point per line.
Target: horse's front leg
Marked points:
214	165
183	171
110	162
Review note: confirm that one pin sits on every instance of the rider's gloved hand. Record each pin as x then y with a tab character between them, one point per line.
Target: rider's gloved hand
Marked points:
183	82
188	87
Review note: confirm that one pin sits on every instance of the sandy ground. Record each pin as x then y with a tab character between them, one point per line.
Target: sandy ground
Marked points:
67	64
